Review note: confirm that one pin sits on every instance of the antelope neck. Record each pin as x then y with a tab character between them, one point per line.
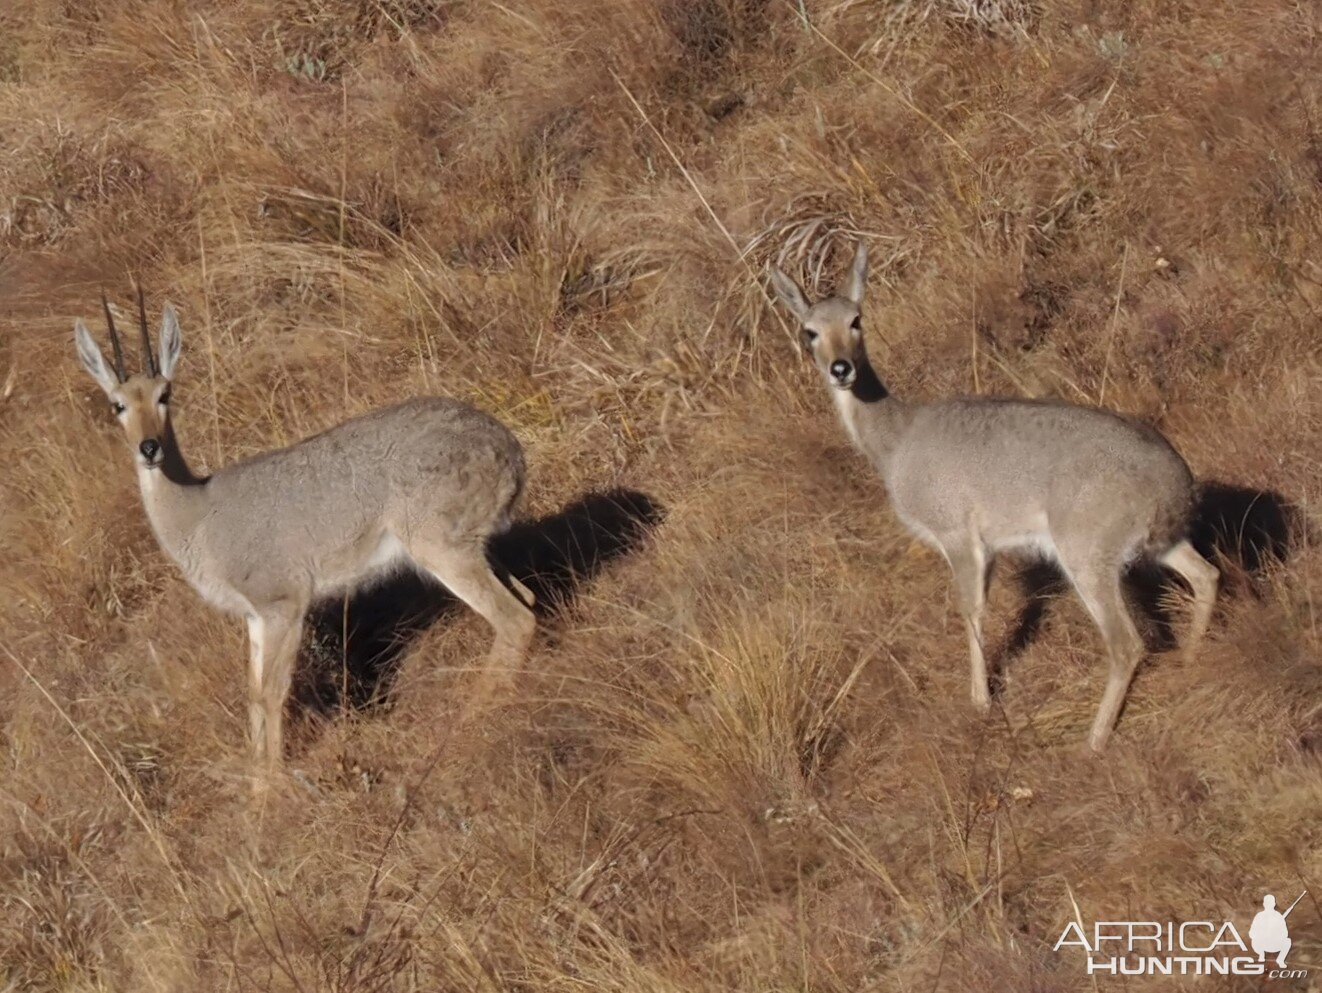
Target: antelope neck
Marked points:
174	467
173	495
867	387
872	417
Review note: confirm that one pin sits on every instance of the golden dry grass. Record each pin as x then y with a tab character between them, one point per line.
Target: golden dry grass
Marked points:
743	757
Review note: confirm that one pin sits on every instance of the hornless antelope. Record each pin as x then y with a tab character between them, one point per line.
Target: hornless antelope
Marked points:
977	476
427	481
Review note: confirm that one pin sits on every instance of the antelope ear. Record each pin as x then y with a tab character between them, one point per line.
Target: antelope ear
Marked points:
92	360
789	293
172	341
857	280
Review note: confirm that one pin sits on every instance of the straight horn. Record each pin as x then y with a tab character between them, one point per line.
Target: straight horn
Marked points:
114	340
150	356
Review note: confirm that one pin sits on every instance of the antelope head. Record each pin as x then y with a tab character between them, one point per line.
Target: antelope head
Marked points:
831	330
140	402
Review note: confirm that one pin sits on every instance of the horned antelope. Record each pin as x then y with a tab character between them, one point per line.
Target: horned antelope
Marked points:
425	482
974	477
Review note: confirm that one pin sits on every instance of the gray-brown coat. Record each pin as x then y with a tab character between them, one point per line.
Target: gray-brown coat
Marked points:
426	482
973	477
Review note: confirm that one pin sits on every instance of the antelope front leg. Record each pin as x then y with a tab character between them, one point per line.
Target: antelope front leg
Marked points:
256	711
283	633
274	638
968	563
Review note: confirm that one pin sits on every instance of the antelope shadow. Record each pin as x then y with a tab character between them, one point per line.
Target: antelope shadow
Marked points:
357	643
1246	527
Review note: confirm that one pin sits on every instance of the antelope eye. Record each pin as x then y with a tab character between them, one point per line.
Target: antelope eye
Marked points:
117	407
857	323
164	398
810	334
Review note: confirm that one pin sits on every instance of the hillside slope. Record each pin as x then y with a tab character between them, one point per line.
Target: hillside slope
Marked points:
742	756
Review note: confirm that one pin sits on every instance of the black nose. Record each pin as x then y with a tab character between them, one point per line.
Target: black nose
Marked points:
150	448
841	369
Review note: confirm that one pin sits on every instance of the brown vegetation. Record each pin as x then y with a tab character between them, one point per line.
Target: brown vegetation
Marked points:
743	755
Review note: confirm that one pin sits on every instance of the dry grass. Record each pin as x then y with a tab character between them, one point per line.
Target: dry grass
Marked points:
742	756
